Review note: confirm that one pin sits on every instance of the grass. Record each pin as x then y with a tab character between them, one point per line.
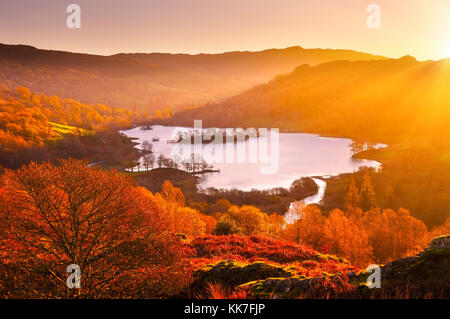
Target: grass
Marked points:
61	130
387	155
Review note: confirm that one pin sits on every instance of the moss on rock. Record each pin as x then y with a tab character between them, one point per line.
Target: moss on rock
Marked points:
233	273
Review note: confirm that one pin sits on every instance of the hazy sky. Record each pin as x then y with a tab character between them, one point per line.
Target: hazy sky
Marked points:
417	27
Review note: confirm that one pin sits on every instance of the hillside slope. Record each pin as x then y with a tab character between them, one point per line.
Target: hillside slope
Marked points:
152	81
380	100
252	268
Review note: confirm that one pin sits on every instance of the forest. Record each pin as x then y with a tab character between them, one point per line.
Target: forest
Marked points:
400	102
39	128
134	243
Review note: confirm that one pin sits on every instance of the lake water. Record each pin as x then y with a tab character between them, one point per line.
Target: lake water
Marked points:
300	155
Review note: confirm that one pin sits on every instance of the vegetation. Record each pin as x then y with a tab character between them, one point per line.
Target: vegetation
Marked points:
401	102
28	119
416	179
155	234
55	215
39	128
107	148
63	130
364	100
212	200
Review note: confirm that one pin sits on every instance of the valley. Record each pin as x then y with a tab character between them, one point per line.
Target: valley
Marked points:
88	152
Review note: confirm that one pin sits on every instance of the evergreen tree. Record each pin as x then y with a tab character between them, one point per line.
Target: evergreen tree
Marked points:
352	197
367	194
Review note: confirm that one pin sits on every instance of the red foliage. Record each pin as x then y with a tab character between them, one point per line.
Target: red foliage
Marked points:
304	260
234	246
54	216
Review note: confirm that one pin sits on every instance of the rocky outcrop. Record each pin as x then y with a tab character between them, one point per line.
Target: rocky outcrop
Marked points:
439	242
432	263
232	273
295	287
424	275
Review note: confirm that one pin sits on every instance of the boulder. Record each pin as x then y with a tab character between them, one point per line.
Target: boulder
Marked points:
232	273
440	242
426	274
294	287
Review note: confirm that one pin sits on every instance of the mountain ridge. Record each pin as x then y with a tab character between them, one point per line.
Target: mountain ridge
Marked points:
151	81
374	100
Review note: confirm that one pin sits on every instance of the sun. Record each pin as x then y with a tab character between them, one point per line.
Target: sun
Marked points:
446	54
441	49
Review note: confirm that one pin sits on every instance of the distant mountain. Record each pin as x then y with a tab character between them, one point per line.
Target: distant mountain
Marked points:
153	81
381	100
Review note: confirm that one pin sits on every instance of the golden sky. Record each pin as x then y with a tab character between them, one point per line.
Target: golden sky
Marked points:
417	27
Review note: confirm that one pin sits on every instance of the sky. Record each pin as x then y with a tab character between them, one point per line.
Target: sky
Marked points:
420	28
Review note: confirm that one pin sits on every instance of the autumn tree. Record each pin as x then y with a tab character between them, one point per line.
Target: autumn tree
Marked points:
309	228
55	216
177	217
220	206
393	234
249	219
346	238
226	226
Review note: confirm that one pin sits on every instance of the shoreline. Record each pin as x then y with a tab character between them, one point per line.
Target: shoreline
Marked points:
359	156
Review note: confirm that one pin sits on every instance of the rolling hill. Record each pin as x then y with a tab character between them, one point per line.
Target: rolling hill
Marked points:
153	81
385	100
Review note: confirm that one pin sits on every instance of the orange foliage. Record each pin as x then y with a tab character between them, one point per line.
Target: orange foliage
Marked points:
250	221
308	229
374	236
25	117
178	218
53	216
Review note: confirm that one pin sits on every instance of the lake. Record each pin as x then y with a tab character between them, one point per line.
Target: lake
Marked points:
300	155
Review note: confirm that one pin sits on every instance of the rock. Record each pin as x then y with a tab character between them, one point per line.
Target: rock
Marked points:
233	273
284	286
425	275
293	287
440	242
413	267
398	268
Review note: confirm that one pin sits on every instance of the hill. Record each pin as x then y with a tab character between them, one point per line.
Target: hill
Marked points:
231	261
39	128
29	119
152	81
170	250
386	100
256	267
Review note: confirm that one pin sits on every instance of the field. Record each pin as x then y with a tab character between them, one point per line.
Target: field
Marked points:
63	130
